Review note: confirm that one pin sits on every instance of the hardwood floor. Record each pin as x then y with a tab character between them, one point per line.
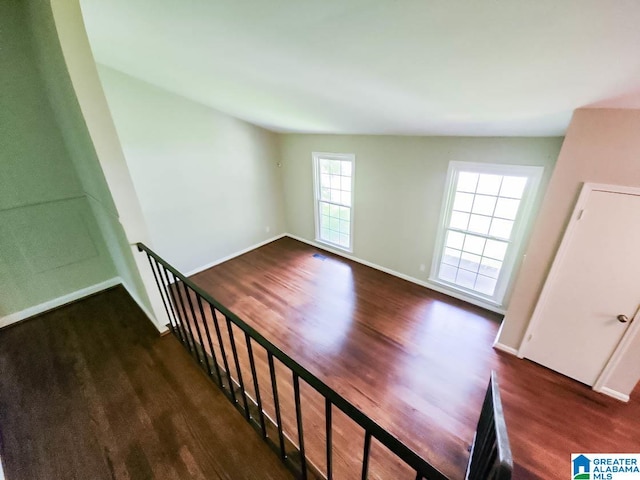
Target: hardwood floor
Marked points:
90	391
415	361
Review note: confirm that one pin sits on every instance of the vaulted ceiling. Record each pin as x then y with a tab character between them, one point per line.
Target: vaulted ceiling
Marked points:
410	67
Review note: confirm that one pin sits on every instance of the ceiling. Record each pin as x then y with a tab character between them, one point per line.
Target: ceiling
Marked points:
407	67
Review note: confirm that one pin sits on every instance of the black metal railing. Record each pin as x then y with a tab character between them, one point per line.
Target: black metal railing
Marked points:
181	297
490	457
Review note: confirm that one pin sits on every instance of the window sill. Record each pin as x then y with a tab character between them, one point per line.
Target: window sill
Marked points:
334	246
467	295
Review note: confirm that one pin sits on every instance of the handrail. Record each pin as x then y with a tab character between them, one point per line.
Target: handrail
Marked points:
403	452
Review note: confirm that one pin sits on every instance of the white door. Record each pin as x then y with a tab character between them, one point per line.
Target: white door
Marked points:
593	281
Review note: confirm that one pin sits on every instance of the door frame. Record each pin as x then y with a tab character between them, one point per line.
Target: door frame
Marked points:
552	277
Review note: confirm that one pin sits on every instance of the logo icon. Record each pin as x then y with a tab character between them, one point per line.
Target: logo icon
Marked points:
581	468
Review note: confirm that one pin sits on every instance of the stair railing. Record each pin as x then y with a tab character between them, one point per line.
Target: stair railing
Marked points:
195	317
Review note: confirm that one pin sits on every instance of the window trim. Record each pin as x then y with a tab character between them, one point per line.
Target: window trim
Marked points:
316	156
520	226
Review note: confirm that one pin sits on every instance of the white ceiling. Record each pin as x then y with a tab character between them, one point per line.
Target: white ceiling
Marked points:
411	67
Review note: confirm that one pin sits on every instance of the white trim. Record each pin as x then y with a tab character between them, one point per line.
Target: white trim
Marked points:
520	224
505	348
426	284
233	255
350	157
614	394
58	302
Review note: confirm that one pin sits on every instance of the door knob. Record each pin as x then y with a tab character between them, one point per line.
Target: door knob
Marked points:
622	318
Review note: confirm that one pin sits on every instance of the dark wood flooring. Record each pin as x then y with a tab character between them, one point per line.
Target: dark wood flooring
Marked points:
90	391
415	361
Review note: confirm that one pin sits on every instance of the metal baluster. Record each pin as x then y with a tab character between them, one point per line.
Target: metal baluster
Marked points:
206	330
276	402
329	432
204	361
418	476
238	371
256	387
224	354
166	309
296	393
192	341
365	456
172	302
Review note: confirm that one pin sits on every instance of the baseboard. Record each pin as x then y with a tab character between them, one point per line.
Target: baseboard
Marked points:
614	394
57	302
408	278
233	255
505	348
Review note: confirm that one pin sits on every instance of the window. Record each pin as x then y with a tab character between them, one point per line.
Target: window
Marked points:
333	178
484	214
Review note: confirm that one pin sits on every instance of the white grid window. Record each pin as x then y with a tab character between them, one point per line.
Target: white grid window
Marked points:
485	209
333	176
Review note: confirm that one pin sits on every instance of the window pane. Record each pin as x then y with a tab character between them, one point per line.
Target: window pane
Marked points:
490	268
325	181
324	234
489	184
334	210
335	182
463	202
485	285
325	166
473	244
513	187
325	194
495	249
447	273
334	167
479	224
451	257
470	262
459	220
344	240
345	213
466	279
324	208
324	221
335	196
346	169
345	198
507	208
334	236
467	182
344	226
455	240
484	204
345	184
501	228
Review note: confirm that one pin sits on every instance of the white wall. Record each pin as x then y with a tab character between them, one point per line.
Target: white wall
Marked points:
105	177
399	185
209	184
50	242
